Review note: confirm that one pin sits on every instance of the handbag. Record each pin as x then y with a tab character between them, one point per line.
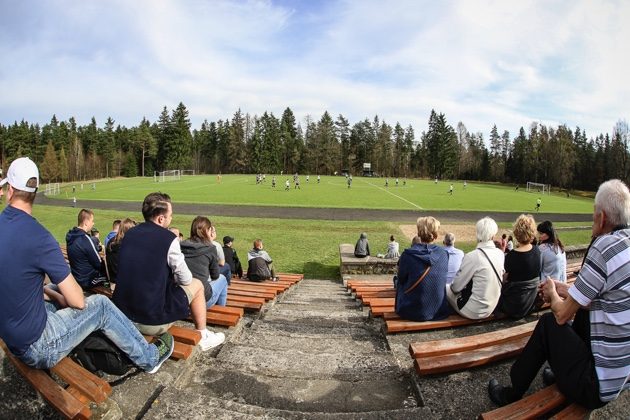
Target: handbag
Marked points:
466	293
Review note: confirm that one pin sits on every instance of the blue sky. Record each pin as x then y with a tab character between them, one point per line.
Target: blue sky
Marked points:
508	63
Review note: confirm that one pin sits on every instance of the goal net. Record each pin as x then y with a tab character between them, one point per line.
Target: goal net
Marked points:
52	189
187	171
171	175
537	187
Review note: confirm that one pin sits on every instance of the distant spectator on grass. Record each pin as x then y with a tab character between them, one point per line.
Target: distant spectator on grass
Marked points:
393	249
259	263
362	247
522	271
112	249
476	288
83	254
422	271
455	256
202	260
110	235
553	260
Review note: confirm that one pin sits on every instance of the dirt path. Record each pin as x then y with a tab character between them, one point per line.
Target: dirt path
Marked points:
310	213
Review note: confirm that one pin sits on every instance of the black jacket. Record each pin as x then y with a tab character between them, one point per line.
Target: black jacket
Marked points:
202	260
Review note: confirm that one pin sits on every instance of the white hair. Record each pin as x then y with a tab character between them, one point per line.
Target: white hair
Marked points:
613	198
486	229
449	239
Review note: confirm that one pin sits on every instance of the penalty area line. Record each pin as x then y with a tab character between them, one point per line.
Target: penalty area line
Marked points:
397	196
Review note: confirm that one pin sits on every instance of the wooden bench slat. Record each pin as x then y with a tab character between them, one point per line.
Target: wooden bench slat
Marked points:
266	296
529	407
468	359
451	321
226	320
93	387
246	299
245	305
454	345
64	402
572	412
185	335
226	310
182	351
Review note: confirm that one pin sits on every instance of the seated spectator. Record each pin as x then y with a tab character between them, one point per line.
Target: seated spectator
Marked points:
230	256
393	249
504	242
41	325
510	244
589	356
455	256
112	234
224	268
522	271
155	288
180	236
553	260
113	248
362	248
201	259
85	262
422	270
476	288
259	263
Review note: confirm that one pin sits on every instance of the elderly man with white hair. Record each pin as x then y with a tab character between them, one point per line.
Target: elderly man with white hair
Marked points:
590	357
476	288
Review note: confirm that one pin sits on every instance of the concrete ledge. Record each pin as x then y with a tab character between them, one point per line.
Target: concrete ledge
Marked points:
349	264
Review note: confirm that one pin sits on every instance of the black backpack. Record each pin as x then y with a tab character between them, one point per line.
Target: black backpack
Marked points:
98	353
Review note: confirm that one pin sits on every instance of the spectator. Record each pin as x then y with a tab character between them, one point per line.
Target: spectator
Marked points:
553	260
422	271
393	249
588	357
155	288
85	262
362	248
112	234
259	263
476	288
224	268
177	233
41	325
504	243
113	248
510	244
455	256
522	271
230	256
202	260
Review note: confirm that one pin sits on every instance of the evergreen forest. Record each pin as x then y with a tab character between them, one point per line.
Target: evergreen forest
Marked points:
560	156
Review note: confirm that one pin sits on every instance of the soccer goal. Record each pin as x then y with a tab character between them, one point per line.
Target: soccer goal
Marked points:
537	187
187	171
52	189
171	175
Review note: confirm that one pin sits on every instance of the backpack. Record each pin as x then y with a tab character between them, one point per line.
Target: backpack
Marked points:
98	353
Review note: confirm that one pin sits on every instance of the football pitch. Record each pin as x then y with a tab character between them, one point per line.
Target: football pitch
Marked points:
331	192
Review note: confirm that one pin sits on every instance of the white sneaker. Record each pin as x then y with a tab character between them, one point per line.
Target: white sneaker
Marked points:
210	339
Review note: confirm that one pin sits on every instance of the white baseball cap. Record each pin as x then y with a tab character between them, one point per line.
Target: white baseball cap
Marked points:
20	171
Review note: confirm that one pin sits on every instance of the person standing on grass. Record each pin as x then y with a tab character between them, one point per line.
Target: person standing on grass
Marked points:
287	185
538	203
589	356
450	189
155	288
42	324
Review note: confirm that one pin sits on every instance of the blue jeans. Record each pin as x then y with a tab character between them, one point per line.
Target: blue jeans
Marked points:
66	328
227	272
219	292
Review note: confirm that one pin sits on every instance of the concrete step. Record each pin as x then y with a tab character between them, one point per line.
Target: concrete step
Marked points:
366	331
306	365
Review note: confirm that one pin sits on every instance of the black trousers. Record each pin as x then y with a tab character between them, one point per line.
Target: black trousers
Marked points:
569	357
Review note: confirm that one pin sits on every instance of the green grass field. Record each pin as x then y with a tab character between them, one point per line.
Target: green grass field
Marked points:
332	192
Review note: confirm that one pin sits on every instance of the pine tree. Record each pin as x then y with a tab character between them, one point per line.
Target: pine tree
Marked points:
64	173
49	168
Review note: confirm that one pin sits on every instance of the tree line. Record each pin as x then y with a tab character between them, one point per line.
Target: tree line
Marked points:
565	158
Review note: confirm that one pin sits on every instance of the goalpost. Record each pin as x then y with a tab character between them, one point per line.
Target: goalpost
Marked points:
171	175
52	189
187	171
537	187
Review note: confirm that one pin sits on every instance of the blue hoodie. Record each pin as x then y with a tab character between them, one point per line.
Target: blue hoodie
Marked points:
85	261
427	301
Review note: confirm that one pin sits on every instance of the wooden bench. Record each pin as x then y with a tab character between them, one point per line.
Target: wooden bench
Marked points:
536	405
73	401
440	356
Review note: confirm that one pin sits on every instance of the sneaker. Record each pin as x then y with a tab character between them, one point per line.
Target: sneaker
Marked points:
548	377
210	339
165	345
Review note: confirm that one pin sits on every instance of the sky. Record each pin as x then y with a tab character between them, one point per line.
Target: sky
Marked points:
509	63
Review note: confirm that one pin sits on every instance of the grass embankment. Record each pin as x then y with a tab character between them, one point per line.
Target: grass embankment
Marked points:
301	246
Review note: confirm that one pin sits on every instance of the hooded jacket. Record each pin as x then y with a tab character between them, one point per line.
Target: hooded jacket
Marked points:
201	259
85	261
362	248
258	265
427	301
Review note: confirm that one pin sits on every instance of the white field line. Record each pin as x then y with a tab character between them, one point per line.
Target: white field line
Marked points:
397	196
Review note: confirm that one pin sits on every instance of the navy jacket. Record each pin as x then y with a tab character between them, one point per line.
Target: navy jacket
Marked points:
85	261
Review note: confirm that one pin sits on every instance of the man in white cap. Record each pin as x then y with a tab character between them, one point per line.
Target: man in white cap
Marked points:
32	316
